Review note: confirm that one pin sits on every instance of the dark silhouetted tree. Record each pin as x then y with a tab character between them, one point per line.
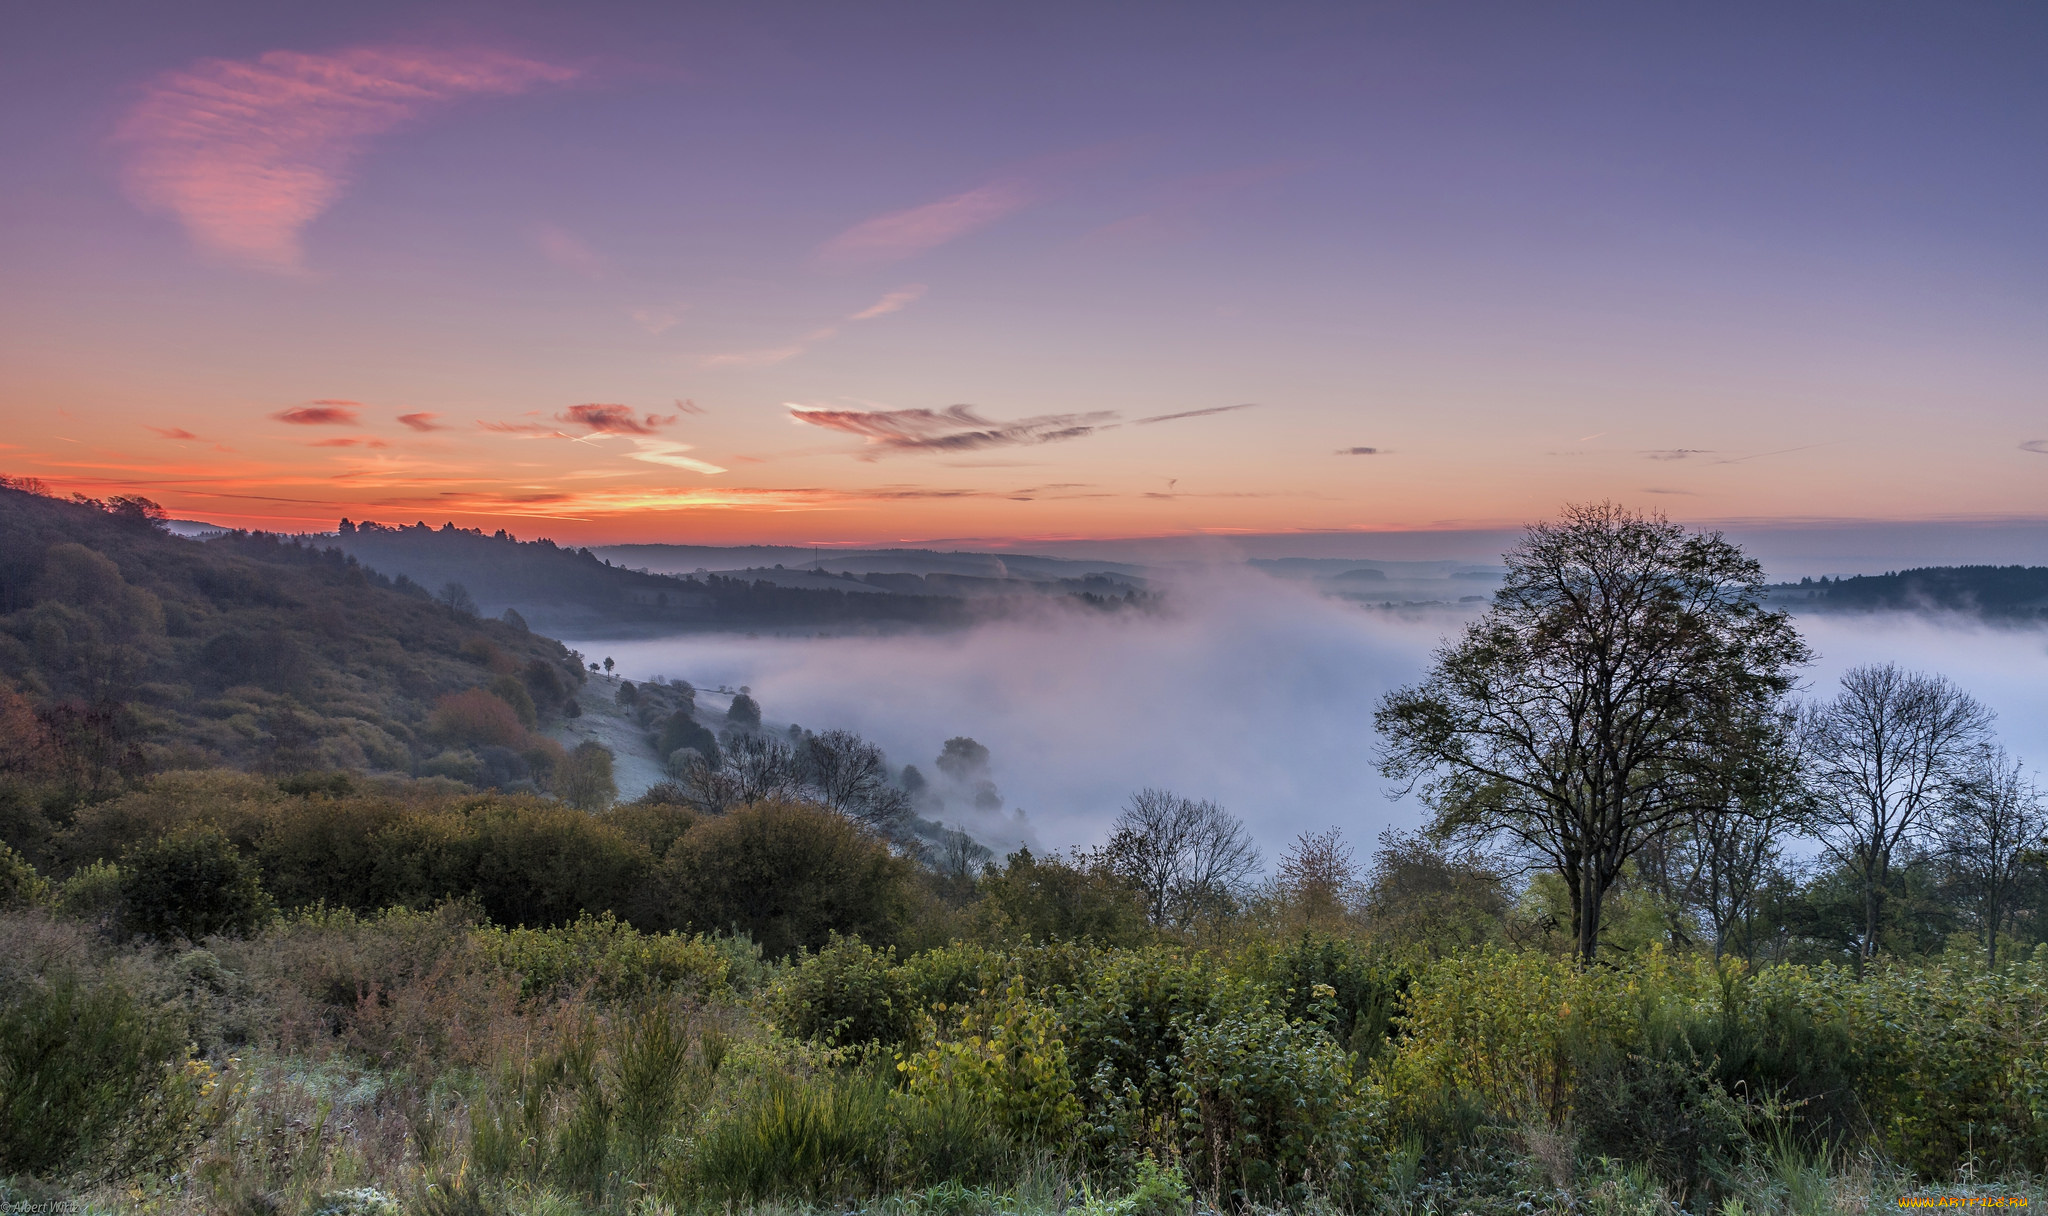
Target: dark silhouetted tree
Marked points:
1588	712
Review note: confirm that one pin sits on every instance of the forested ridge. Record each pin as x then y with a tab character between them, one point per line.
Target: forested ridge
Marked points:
2010	593
127	650
567	588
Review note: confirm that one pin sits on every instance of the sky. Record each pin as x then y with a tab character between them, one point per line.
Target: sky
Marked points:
1018	274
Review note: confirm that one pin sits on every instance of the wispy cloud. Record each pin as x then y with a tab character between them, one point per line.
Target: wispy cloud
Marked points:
895	301
670	453
957	428
421	422
172	432
613	419
569	251
246	153
901	234
2037	446
322	413
1214	409
768	356
1676	453
530	430
348	443
1359	452
657	321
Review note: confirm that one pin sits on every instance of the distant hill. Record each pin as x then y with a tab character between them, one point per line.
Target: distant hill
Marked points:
575	591
137	649
2001	593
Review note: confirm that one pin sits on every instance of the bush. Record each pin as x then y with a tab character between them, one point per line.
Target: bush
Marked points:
1659	1104
823	1140
526	861
1126	1023
192	884
607	958
843	995
20	885
93	1083
583	778
476	718
93	895
399	989
788	876
1363	995
1267	1105
1011	1065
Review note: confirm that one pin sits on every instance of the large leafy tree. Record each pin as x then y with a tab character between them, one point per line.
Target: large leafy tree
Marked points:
1618	686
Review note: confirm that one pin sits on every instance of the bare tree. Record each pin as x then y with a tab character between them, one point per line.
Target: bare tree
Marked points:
754	768
1589	711
1887	756
1714	867
1319	876
845	773
1187	857
1994	828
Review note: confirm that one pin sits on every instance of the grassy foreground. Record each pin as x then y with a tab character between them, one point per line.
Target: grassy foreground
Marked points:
333	1062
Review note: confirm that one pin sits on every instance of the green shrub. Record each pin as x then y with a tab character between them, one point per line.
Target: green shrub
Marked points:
20	885
192	883
1364	995
606	957
93	1082
527	861
600	1111
826	1139
1659	1104
94	895
1126	1022
788	876
583	778
1267	1107
1011	1065
845	994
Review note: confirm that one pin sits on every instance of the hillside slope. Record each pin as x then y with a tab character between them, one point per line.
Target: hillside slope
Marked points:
138	650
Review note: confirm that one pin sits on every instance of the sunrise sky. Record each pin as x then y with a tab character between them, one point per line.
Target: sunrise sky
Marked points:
996	273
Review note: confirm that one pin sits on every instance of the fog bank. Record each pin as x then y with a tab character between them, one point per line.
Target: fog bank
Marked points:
1250	690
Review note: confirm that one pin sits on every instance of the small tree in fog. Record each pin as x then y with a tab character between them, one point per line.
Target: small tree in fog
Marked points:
1888	755
1186	857
1993	830
744	713
1591	710
755	768
847	774
457	597
583	778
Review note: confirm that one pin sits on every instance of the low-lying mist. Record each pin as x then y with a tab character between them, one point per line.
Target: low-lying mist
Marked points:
1248	690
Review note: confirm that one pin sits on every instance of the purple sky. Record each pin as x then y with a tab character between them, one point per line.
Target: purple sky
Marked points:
895	272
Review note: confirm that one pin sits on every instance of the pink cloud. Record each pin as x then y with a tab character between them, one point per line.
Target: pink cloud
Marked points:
246	153
322	413
421	422
895	301
613	419
171	432
569	251
900	234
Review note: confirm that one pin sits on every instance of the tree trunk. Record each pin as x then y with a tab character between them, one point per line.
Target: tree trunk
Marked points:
1588	918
